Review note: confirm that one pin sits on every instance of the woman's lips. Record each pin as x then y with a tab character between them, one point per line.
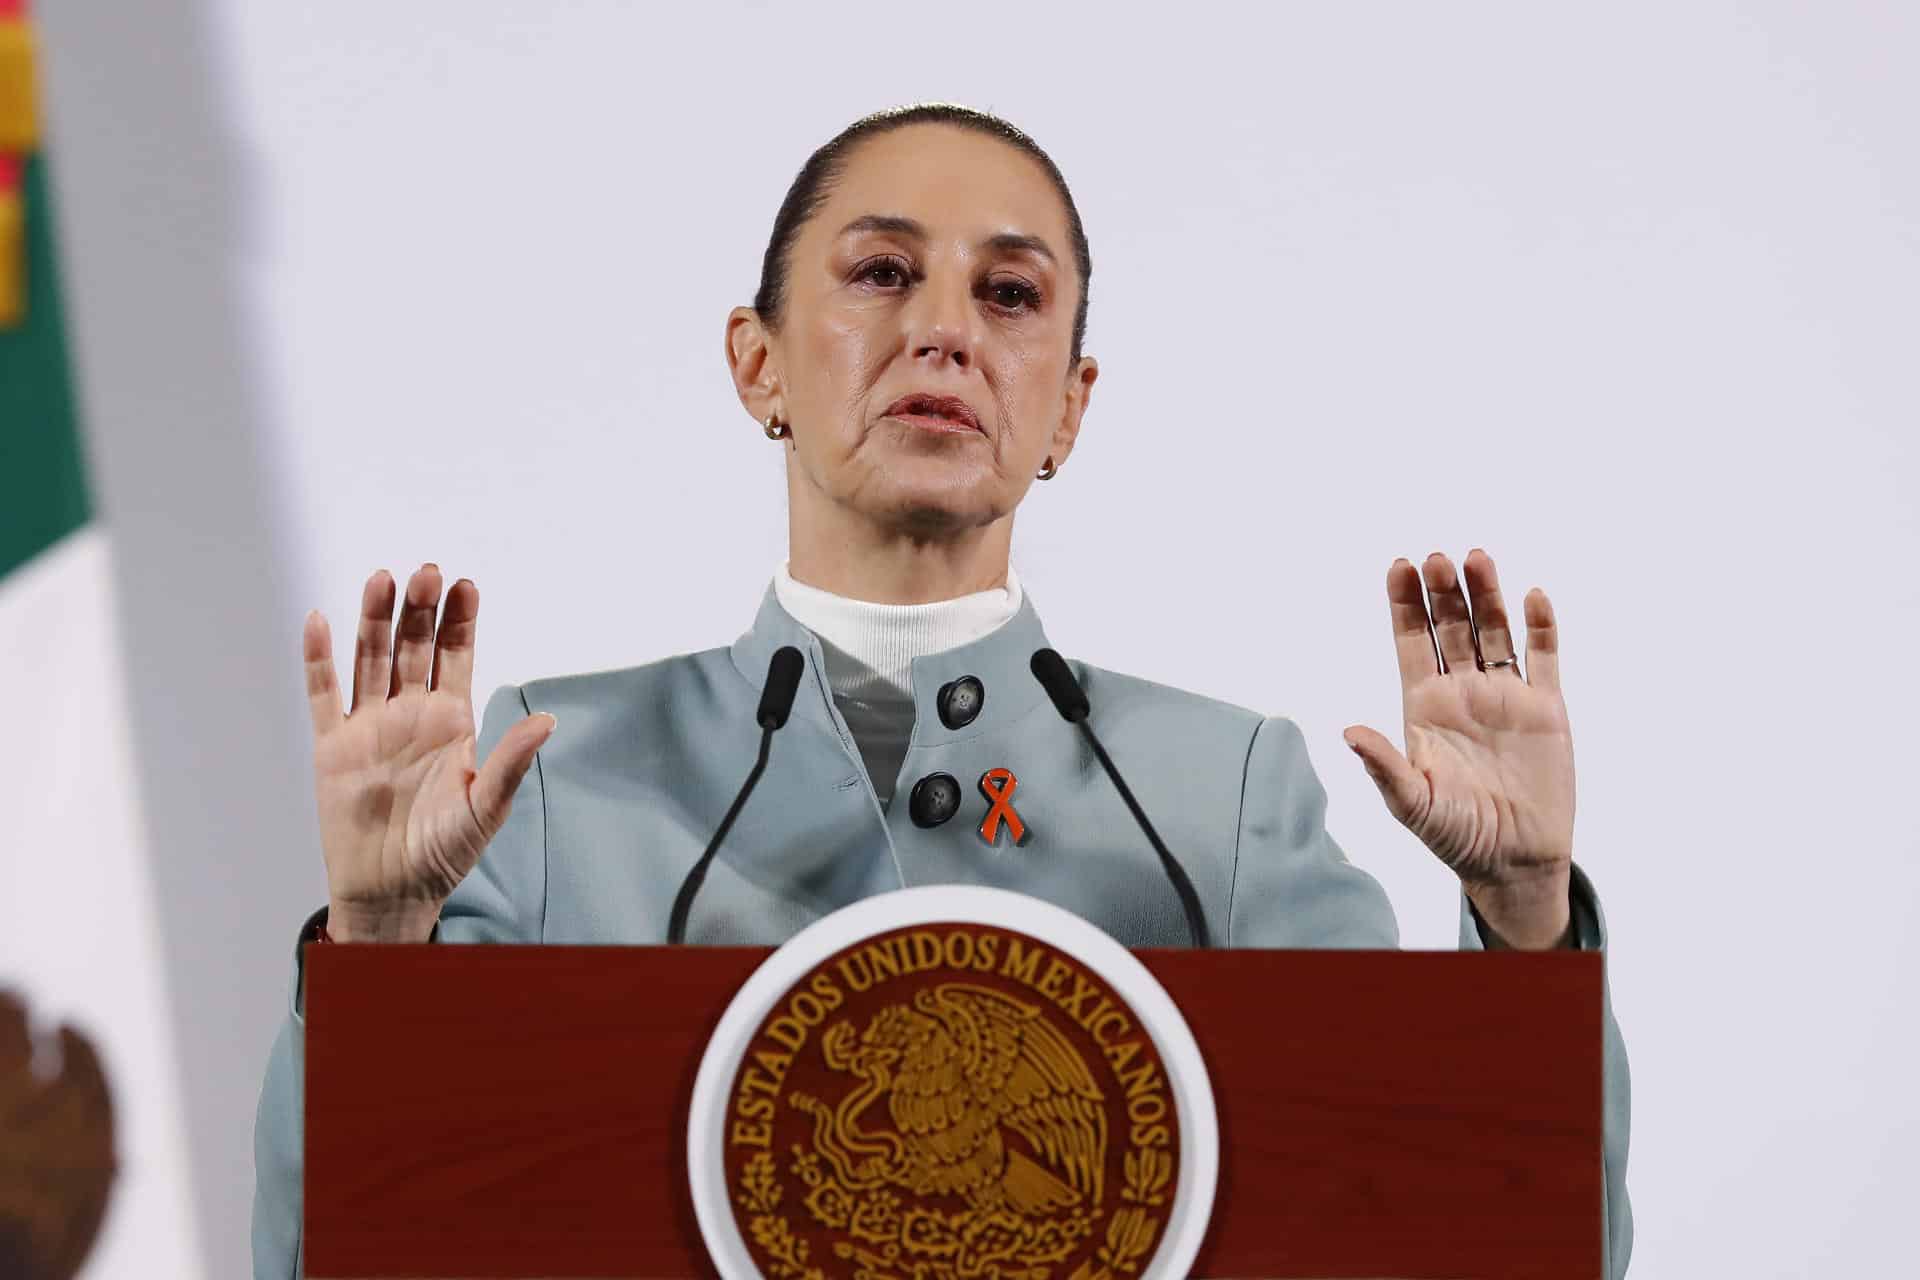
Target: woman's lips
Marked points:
935	413
928	422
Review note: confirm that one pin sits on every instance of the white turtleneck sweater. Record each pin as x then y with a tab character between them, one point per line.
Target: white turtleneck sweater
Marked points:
869	649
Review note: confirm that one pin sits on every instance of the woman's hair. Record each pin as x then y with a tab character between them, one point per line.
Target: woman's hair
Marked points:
814	184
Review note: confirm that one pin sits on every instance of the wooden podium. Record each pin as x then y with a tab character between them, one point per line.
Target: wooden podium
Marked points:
521	1111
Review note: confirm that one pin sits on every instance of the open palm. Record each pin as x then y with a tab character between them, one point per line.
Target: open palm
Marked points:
404	813
1487	780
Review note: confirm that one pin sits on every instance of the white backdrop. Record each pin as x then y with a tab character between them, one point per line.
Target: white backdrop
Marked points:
1627	296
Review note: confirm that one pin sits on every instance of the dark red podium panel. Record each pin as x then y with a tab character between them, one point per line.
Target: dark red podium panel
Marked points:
494	1111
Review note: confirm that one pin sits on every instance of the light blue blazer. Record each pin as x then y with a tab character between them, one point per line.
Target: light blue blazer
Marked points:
645	760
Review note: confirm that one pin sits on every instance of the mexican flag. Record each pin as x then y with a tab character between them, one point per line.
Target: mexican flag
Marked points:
78	939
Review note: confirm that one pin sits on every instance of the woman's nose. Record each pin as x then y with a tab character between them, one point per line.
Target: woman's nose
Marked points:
941	324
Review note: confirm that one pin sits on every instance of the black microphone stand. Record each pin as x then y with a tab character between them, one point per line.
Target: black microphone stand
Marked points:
677	922
776	700
1071	702
1189	900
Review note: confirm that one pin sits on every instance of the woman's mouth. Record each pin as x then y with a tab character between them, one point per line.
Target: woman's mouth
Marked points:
935	413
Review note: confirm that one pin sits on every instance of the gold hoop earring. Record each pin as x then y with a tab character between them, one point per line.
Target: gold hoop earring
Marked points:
1048	470
777	431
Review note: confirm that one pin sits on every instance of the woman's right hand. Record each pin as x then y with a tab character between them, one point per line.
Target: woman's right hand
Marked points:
404	815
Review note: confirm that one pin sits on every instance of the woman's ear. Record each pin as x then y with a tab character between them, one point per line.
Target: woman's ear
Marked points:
1079	392
750	363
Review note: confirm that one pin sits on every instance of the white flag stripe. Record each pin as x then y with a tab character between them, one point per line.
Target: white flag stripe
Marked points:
77	931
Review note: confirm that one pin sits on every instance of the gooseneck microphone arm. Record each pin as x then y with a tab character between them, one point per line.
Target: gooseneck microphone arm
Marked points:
776	700
1070	700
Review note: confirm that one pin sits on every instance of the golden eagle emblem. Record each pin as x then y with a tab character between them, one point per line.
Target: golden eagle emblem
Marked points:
948	1102
960	1070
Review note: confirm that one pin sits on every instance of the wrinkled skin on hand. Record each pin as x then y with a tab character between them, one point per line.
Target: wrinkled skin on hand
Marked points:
1487	779
404	812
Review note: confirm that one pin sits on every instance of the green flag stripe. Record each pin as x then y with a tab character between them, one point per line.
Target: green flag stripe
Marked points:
43	483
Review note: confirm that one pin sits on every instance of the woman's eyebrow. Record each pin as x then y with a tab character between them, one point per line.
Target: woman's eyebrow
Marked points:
1005	242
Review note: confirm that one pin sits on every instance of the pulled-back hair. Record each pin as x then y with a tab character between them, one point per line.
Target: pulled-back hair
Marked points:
814	183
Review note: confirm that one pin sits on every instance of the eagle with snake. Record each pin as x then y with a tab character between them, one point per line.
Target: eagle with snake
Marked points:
963	1071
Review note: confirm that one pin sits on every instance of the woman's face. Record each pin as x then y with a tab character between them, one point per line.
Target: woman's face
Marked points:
923	358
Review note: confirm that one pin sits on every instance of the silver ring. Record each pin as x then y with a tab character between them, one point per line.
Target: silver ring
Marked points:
1514	661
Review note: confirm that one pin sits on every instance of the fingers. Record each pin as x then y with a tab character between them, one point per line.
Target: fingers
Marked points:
492	792
413	656
1452	624
1451	629
413	641
373	640
1543	641
1403	787
1492	634
1413	642
453	650
323	686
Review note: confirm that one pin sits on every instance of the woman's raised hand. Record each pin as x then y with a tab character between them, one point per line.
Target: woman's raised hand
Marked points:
1487	781
404	815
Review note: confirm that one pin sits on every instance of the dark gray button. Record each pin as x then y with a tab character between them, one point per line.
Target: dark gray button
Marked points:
960	701
934	799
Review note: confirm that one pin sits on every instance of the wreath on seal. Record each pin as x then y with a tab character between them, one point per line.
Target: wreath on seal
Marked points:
955	1246
958	1067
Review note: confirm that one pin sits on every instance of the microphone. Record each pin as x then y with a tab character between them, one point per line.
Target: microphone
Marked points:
776	700
783	681
1070	700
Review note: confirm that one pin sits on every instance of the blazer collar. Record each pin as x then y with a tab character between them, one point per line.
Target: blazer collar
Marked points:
998	660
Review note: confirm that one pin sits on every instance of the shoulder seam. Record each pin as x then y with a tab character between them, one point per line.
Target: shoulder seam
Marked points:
540	779
1239	824
1088	671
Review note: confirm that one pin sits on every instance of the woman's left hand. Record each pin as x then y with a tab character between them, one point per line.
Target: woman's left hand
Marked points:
1487	781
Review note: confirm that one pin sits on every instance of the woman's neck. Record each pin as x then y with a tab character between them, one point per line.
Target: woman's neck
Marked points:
851	557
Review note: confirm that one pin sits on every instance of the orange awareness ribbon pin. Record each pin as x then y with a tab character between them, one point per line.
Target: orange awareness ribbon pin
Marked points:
997	785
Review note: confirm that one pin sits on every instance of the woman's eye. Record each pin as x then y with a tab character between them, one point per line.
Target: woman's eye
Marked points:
1009	295
885	274
1014	294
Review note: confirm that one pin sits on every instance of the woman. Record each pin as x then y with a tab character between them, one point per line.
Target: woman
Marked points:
915	349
